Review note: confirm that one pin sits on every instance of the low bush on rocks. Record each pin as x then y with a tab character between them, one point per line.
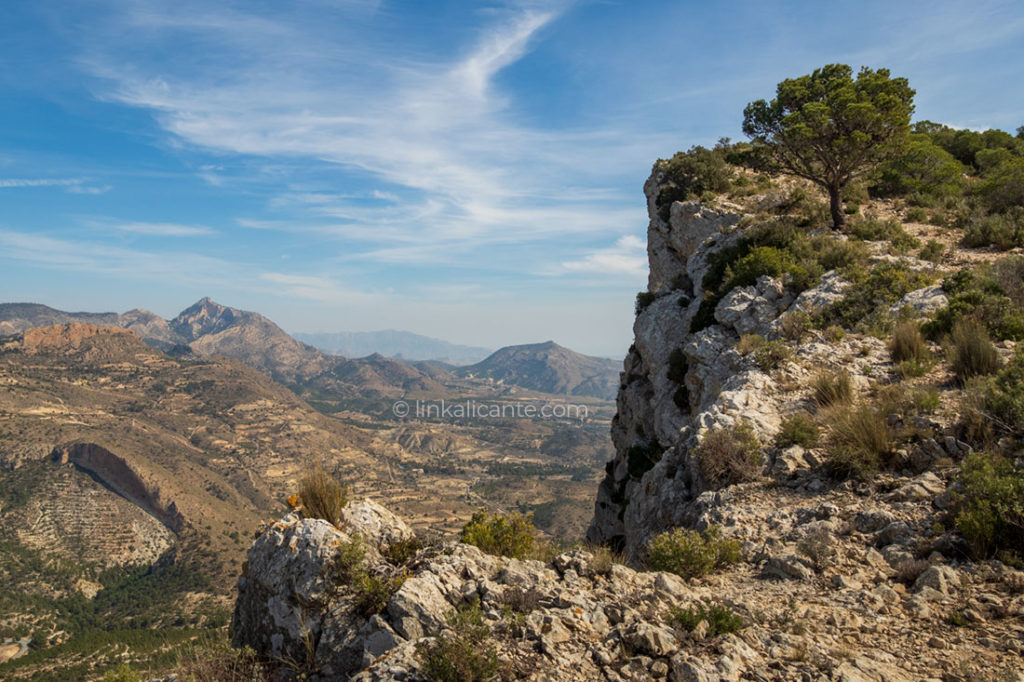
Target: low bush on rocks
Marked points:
1005	396
909	570
322	496
690	553
991	294
861	441
871	228
728	456
720	619
971	352
909	351
832	388
509	535
692	174
400	552
772	355
932	251
371	592
1003	231
866	307
644	299
798	429
990	510
749	343
780	249
464	653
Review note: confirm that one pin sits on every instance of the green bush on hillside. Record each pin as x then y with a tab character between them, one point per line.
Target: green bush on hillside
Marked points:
990	510
797	429
690	553
509	535
463	654
322	496
728	456
868	301
692	174
721	620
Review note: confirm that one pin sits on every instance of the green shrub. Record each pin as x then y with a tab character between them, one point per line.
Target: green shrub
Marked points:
1003	231
873	229
373	592
916	215
834	333
990	511
971	352
464	654
1002	185
909	351
862	441
728	456
509	535
1004	398
644	299
798	429
678	366
370	592
400	552
772	355
932	251
773	262
831	388
873	292
322	496
720	619
990	294
123	673
795	325
689	553
691	175
749	343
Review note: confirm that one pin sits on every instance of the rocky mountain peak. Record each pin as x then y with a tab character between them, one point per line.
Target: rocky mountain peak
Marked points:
203	317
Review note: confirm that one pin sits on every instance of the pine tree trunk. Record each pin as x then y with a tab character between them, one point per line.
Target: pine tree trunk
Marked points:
836	206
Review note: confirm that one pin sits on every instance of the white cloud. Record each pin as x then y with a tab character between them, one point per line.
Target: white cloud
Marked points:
459	170
72	185
164	229
627	257
40	182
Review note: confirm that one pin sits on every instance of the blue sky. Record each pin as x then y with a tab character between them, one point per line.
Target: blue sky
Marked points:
467	170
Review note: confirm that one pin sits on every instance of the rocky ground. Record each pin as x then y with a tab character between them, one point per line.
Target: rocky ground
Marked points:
826	591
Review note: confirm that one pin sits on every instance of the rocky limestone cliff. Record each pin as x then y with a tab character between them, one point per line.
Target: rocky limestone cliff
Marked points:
678	384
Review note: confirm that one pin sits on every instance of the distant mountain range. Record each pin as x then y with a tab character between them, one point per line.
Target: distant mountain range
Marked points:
207	328
549	368
395	344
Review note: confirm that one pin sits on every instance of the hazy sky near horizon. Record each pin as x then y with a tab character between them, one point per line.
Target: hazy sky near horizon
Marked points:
466	170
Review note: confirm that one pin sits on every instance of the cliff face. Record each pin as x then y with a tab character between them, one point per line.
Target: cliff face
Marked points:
684	376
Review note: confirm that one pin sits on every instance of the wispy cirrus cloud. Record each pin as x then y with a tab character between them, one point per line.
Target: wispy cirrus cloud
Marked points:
163	229
73	185
452	165
628	256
